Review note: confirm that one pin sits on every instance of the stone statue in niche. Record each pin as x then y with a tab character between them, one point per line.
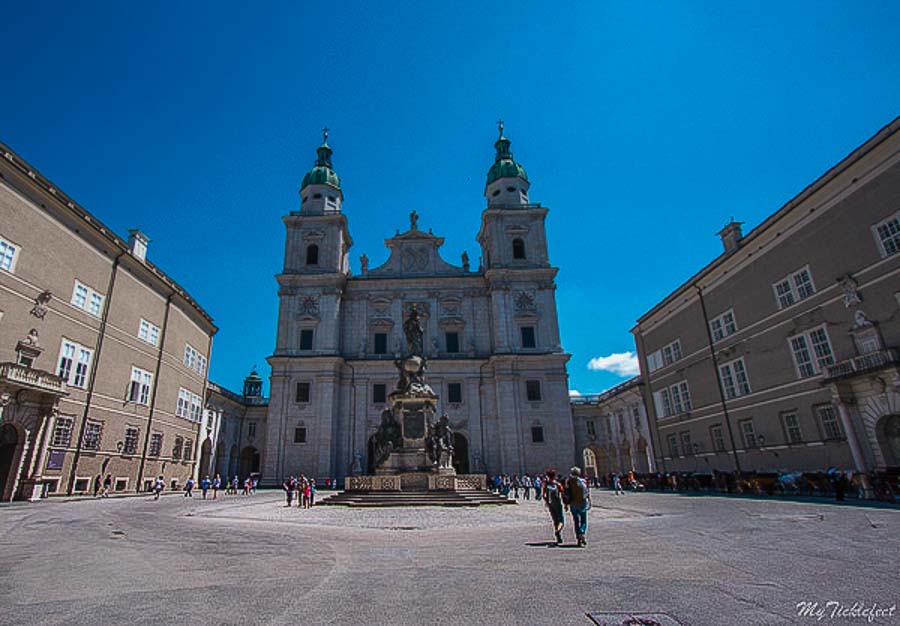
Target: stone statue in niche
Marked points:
414	332
850	289
860	320
356	466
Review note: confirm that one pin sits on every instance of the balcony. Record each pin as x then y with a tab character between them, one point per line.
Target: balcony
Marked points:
862	364
37	380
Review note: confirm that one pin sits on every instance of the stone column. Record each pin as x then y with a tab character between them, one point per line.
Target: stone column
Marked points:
859	463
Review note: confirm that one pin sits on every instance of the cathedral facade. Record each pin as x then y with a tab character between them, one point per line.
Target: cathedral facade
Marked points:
491	336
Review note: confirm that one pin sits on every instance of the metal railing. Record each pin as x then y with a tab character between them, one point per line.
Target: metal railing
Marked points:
861	364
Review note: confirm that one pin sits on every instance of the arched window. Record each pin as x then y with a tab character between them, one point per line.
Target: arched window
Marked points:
312	255
518	249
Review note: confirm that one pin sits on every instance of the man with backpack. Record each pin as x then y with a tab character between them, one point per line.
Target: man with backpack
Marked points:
552	494
578	497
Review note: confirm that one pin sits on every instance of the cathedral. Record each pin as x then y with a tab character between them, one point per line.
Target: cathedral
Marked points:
491	336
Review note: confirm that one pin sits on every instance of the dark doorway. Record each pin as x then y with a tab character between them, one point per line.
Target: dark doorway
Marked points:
370	456
9	441
460	453
249	461
205	457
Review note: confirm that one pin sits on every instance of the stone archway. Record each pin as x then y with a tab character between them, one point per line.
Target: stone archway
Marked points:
249	461
460	453
205	458
11	442
589	461
642	458
887	432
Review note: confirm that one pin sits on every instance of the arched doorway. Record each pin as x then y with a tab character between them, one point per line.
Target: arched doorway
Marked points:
249	462
589	461
460	453
888	434
205	457
9	444
642	460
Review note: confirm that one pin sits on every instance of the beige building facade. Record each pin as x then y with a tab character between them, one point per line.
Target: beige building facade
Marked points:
104	356
612	432
491	335
780	355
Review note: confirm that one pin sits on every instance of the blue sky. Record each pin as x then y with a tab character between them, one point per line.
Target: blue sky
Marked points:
643	128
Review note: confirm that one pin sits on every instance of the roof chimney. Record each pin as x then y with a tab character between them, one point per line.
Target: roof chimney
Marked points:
137	243
731	236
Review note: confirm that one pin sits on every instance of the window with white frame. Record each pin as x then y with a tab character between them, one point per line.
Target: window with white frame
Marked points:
654	360
196	408
734	378
148	332
130	442
8	254
139	390
794	288
184	403
87	299
93	431
686	446
792	427
193	359
723	325
673	445
673	400
887	234
748	433
62	433
672	352
663	400
831	428
812	351
74	363
717	438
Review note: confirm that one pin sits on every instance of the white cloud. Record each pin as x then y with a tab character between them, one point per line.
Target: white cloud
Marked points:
619	363
573	393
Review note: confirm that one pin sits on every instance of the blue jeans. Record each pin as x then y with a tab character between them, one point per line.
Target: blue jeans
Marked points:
579	519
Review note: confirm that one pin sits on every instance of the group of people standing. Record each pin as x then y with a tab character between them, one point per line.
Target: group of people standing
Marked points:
571	494
304	488
216	484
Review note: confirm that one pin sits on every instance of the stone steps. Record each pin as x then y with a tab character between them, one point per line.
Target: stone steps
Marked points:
415	498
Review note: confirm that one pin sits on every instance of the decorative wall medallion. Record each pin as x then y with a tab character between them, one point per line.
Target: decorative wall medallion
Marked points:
524	301
39	310
309	305
414	259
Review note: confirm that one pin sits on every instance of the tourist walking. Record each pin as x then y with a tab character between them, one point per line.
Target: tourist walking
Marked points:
189	488
289	486
552	495
107	485
617	485
247	484
312	493
216	485
98	482
204	486
578	497
158	487
526	486
235	483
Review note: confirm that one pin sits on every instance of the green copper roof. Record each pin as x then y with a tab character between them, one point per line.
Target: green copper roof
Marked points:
504	165
322	172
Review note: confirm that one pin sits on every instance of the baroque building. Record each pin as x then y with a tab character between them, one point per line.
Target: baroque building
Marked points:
612	431
491	335
781	354
103	356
